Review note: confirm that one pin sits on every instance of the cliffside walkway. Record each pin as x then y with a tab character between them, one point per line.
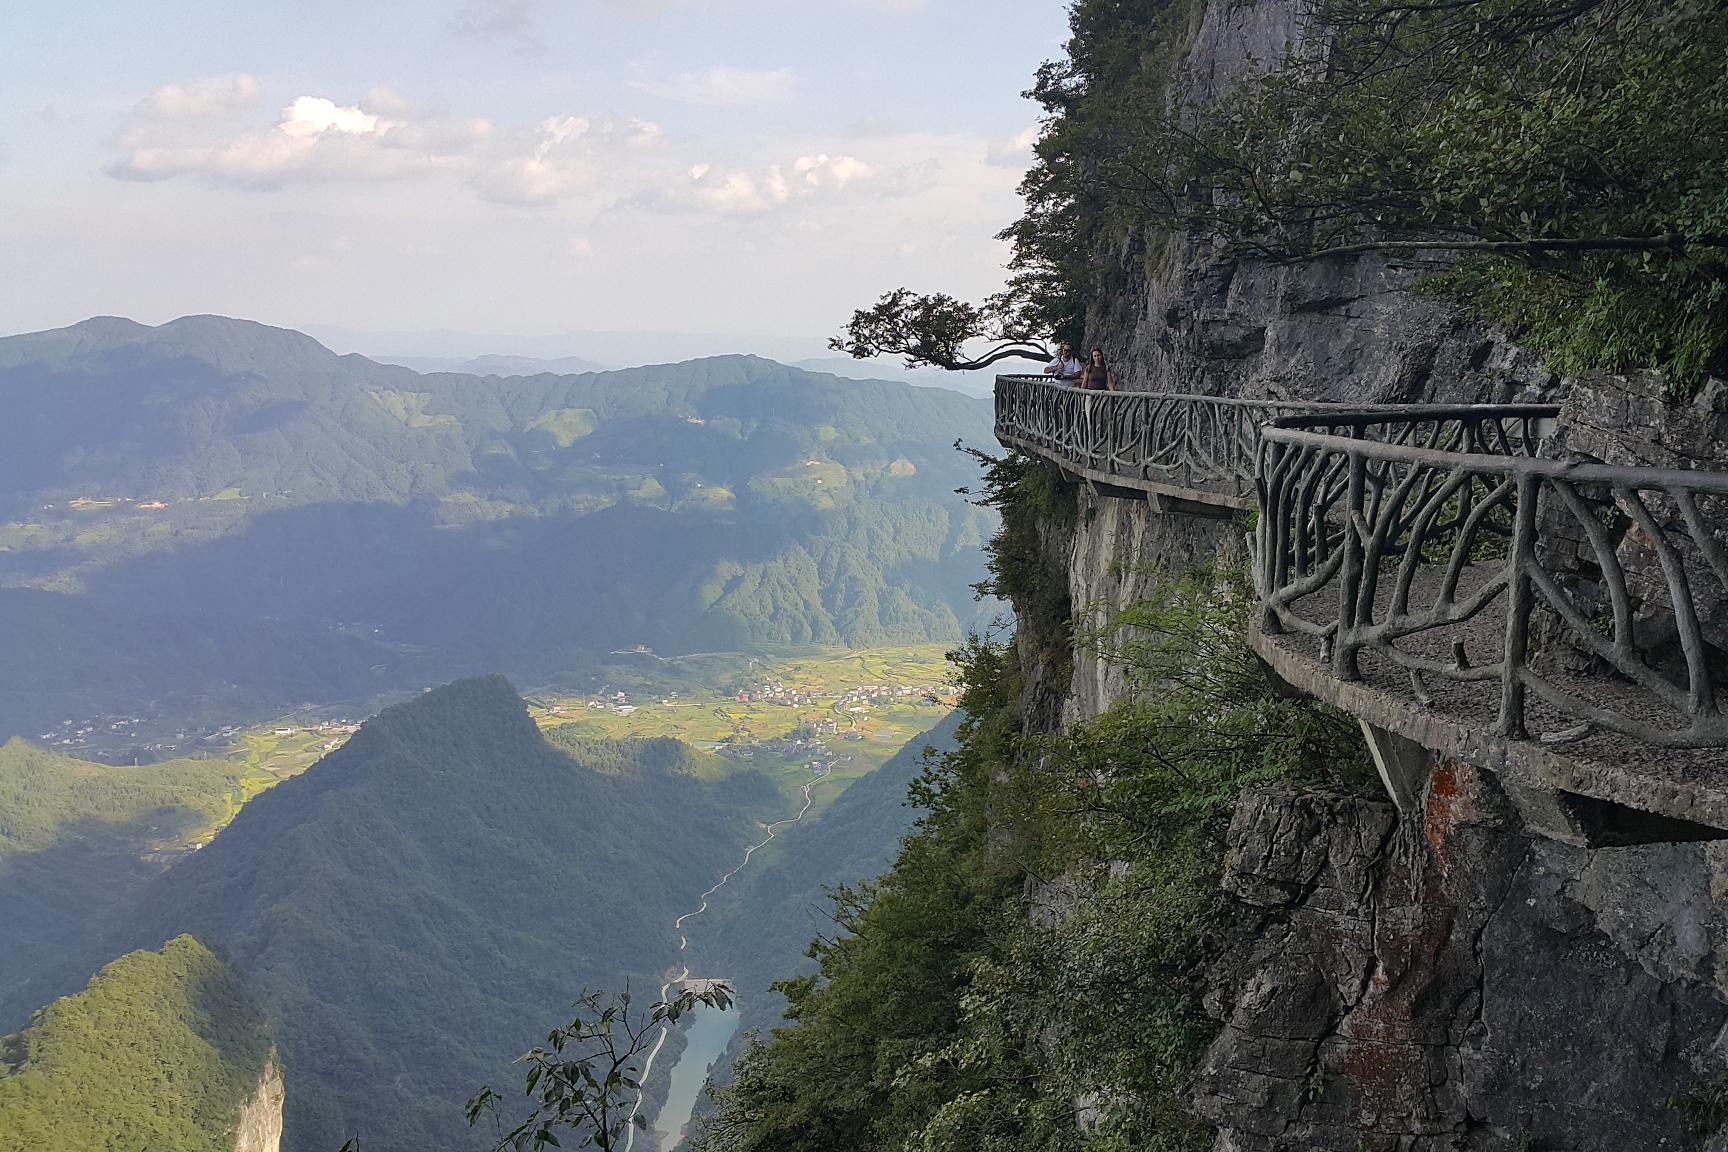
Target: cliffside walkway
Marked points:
1429	569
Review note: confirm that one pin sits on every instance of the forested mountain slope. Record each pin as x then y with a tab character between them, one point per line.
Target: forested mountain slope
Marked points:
213	514
79	841
425	902
765	919
162	1052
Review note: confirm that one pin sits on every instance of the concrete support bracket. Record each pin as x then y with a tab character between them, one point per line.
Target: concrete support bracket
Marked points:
1403	764
1165	503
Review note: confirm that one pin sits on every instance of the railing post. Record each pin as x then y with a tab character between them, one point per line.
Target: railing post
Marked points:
1344	665
1270	540
1520	602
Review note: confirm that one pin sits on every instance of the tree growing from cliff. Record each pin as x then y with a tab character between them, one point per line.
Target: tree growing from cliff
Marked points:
585	1080
935	330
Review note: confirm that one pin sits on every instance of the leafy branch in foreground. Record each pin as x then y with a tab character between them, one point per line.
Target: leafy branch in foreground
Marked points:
584	1079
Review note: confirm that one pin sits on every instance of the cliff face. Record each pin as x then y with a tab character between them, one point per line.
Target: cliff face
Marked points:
260	1125
1181	316
1447	978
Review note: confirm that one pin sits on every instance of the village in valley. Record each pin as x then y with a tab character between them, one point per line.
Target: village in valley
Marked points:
838	715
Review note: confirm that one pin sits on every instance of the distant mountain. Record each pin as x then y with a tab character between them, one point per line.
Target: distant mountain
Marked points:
215	517
977	384
79	842
499	365
626	348
427	901
161	1053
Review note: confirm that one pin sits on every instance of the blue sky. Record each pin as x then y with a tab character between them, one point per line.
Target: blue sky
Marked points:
530	166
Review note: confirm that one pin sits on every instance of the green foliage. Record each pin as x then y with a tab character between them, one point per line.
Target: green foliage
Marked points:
43	794
763	919
891	981
1032	499
1037	945
1704	1106
79	841
586	1078
158	1054
1574	146
657	755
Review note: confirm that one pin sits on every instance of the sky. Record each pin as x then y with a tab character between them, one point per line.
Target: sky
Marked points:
514	166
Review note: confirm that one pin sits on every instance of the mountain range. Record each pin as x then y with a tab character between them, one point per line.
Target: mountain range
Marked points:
213	518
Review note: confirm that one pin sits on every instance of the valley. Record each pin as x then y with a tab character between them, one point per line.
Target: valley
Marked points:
335	529
841	714
255	597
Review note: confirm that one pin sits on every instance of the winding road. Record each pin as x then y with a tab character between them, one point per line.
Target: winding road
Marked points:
683	943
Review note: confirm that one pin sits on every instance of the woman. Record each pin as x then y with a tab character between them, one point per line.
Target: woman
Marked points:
1098	374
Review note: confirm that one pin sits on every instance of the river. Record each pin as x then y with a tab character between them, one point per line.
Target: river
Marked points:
705	1041
709	1031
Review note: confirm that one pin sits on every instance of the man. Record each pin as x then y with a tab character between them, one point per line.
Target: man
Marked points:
1064	368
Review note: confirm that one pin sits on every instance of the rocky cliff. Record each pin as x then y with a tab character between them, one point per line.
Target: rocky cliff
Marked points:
1444	978
1447	978
1181	316
260	1126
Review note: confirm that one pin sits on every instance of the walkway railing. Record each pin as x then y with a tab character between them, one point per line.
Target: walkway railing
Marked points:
1434	553
1437	541
1202	444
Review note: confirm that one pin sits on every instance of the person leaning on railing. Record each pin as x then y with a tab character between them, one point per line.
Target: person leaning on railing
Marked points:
1065	368
1098	376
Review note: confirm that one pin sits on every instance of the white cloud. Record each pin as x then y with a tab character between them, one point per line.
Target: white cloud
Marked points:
724	87
825	171
1014	153
216	96
572	154
388	101
583	165
313	139
314	115
707	187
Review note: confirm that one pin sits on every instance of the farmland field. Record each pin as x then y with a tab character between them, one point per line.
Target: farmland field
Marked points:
836	714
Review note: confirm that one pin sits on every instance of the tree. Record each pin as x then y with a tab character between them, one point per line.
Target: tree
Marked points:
935	330
587	1077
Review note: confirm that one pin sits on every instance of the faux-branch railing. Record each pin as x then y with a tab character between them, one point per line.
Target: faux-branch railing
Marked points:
1202	444
1437	542
1437	539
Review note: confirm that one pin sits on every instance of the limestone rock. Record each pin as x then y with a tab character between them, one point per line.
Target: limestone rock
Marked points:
260	1125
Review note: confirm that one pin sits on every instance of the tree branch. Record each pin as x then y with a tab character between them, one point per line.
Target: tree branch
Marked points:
1674	242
